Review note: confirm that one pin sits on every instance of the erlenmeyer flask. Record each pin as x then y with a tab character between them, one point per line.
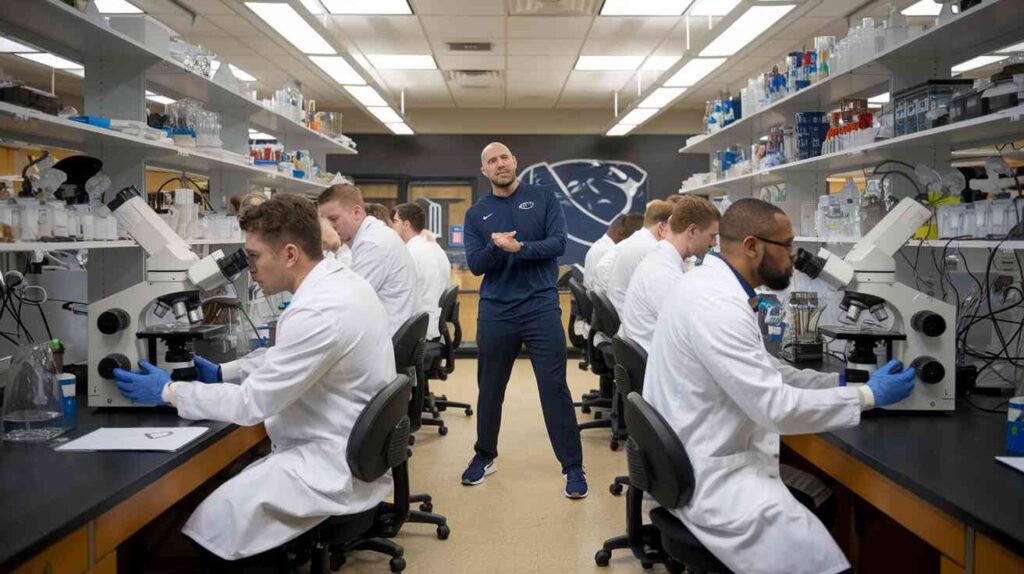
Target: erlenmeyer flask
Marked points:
32	406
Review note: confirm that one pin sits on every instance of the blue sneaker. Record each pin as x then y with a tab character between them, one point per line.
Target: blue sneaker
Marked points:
575	482
479	467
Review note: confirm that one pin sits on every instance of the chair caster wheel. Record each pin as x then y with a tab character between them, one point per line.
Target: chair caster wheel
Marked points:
585	409
615	488
427	507
647	565
442	431
443	532
469	412
602	557
397	564
412	439
614	445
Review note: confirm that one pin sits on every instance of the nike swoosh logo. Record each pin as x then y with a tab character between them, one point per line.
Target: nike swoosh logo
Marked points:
488	215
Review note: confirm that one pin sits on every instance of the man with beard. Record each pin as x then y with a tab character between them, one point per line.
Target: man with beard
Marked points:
514	236
712	380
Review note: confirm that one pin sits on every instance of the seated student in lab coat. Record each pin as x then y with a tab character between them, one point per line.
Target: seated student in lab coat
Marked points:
692	232
378	253
616	232
728	400
433	270
333	354
625	256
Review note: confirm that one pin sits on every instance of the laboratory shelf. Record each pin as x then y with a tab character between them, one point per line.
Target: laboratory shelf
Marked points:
63	245
31	126
72	34
989	26
938	243
993	128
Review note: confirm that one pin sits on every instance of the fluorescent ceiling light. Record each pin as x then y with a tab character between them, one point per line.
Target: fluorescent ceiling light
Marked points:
1006	50
971	64
52	61
644	7
7	45
403	62
638	116
76	72
338	69
154	97
660	63
661	97
922	8
366	95
238	72
400	129
693	72
313	7
713	7
609	63
116	7
620	130
288	23
750	25
386	115
879	99
367	6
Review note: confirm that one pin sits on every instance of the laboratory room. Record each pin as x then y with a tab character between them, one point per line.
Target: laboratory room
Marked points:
512	286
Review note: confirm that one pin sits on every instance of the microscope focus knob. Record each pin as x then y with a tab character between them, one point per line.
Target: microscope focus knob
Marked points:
111	362
929	323
112	321
929	371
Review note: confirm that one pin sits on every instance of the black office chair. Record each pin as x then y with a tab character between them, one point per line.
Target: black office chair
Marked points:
409	341
574	273
630	368
605	320
659	465
379	442
439	356
586	310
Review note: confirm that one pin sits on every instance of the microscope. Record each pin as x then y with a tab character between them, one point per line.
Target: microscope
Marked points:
134	318
923	335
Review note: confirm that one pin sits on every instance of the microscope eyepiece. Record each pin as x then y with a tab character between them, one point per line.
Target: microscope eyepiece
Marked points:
233	264
808	263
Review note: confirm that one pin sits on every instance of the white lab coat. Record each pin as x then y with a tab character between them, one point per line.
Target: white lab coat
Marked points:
594	255
652	284
379	256
711	378
629	253
333	354
433	276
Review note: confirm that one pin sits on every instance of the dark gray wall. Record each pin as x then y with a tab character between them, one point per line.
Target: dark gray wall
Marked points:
458	156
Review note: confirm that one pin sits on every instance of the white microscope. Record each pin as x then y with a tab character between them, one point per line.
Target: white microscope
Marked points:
924	328
125	322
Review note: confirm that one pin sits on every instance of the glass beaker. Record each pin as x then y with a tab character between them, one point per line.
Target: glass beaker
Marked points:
32	404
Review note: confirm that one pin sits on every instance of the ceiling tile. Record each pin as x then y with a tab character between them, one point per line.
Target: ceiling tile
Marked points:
264	46
537	77
545	46
407	79
479	98
470	62
532	100
459	7
629	26
625	46
207	6
428	98
598	79
369	26
393	45
548	26
541	62
580	98
463	28
234	25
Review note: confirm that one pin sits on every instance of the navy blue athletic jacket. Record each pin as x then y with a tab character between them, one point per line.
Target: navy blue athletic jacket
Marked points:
516	284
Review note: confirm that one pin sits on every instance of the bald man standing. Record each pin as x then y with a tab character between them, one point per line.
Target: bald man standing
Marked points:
514	236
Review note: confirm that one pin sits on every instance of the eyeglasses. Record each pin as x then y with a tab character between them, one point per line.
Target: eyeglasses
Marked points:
788	245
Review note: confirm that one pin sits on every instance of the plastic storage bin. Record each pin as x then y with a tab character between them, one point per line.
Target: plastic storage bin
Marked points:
918	108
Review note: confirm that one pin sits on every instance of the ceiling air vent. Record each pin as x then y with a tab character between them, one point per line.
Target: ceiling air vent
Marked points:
469	46
474	79
553	7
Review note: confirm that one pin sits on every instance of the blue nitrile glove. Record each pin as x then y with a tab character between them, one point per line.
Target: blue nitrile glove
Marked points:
146	387
890	384
206	371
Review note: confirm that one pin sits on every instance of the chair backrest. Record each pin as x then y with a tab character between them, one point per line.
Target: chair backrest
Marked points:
579	295
380	436
408	341
630	365
658	463
449	304
606	318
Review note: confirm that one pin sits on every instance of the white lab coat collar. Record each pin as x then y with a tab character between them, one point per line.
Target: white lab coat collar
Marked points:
416	240
667	252
321	270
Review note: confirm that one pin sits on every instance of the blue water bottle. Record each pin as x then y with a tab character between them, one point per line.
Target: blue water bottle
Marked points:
1015	426
68	401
